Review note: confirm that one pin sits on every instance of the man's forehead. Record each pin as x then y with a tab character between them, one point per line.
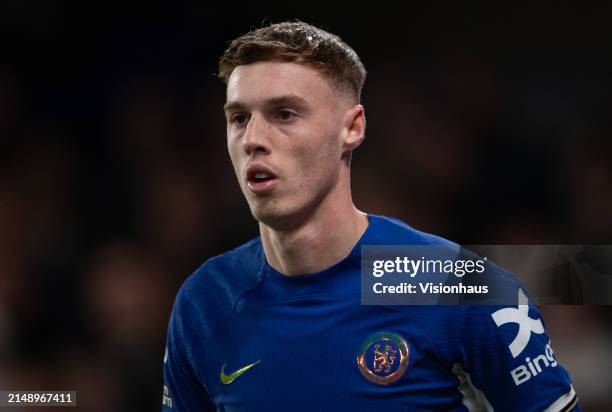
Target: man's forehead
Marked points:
267	80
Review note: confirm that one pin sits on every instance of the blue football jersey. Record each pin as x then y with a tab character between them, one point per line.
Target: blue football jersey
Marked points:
244	337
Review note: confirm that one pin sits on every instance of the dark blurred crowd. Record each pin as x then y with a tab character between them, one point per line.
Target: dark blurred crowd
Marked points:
115	182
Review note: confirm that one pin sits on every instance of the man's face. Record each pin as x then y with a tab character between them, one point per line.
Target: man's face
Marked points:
285	124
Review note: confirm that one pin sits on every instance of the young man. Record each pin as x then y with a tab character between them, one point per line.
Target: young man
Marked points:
277	324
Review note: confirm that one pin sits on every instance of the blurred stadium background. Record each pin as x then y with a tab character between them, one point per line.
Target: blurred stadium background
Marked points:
485	125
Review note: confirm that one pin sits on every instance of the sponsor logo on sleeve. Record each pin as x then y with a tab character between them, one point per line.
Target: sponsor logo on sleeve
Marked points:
520	316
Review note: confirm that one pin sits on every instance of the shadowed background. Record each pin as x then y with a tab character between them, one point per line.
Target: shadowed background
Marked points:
485	125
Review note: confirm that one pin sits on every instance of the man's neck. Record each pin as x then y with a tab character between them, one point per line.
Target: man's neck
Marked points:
322	241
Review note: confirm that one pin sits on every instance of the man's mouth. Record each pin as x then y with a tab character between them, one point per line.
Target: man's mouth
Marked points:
262	177
260	180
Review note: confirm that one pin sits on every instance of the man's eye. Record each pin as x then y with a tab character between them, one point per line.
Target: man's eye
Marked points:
239	119
285	115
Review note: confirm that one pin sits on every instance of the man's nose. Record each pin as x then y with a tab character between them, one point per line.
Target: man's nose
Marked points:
255	138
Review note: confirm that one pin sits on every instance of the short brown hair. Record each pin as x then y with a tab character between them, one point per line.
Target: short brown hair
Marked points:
301	43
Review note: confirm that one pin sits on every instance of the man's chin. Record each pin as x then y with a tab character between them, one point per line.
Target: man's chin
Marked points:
274	217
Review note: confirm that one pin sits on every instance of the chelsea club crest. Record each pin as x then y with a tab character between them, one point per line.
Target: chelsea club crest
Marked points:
383	358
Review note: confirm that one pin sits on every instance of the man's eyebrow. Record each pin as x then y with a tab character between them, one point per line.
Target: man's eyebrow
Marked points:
233	106
289	99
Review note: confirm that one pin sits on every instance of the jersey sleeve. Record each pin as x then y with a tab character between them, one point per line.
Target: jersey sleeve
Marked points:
508	363
182	389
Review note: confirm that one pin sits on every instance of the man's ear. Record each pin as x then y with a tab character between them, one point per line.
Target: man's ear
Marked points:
355	125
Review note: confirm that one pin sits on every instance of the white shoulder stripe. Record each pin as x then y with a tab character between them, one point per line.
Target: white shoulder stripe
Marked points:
473	398
564	403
